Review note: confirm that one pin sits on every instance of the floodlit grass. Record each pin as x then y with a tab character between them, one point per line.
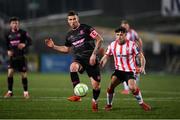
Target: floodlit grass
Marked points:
49	94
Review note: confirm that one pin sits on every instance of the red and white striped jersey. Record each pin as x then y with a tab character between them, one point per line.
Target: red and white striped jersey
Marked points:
124	55
132	35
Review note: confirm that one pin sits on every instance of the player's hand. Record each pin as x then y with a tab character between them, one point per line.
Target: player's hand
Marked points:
140	70
143	70
10	53
21	46
49	42
101	64
92	60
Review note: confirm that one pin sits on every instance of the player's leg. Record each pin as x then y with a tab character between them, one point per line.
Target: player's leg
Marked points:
94	75
110	92
25	84
74	69
22	68
137	77
96	92
126	89
137	94
10	83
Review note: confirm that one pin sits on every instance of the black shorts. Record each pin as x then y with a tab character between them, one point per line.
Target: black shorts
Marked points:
92	71
123	76
18	63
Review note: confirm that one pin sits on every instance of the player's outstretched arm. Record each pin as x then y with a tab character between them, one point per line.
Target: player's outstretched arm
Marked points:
63	49
104	60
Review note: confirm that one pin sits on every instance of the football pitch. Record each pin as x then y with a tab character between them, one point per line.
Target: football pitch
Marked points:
49	92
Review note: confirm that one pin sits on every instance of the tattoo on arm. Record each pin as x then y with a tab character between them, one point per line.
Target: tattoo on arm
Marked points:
98	45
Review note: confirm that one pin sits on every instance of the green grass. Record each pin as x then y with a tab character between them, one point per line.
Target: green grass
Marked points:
49	94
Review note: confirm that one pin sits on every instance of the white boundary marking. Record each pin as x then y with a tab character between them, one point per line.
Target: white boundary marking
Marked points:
47	98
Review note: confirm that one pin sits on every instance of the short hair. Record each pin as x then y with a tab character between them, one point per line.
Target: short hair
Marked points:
72	13
124	22
13	19
120	29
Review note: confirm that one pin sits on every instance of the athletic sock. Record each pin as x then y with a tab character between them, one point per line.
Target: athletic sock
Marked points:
25	84
96	94
138	96
10	83
74	78
125	86
110	95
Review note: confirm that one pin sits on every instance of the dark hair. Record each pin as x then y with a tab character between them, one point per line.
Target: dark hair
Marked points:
72	13
124	22
120	29
13	19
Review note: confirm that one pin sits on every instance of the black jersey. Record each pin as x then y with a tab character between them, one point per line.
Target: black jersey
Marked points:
82	41
14	38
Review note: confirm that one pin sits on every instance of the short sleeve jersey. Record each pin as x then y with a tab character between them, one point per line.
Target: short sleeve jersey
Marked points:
82	41
14	38
124	55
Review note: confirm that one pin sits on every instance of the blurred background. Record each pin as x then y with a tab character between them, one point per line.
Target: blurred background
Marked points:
156	21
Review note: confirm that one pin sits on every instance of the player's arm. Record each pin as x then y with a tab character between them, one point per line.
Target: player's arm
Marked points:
106	56
98	43
141	68
143	63
26	42
139	43
63	49
104	60
9	51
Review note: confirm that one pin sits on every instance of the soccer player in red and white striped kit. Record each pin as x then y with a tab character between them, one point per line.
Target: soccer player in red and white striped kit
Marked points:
124	52
132	35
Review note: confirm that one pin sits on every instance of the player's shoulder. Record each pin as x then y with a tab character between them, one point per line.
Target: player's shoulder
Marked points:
112	43
133	30
22	31
131	42
84	25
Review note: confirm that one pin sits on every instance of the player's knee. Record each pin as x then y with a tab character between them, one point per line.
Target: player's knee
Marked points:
132	88
110	90
10	74
24	76
96	86
73	67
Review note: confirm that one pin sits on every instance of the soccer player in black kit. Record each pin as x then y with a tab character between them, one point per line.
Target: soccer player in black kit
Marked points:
84	42
17	41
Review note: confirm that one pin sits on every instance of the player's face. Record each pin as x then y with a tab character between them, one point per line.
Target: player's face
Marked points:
73	21
125	26
117	35
121	36
14	25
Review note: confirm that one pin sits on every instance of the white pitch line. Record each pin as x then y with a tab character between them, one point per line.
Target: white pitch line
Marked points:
20	98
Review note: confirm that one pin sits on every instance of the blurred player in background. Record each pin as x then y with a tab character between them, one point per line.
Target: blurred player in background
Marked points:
124	52
18	42
133	36
85	43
